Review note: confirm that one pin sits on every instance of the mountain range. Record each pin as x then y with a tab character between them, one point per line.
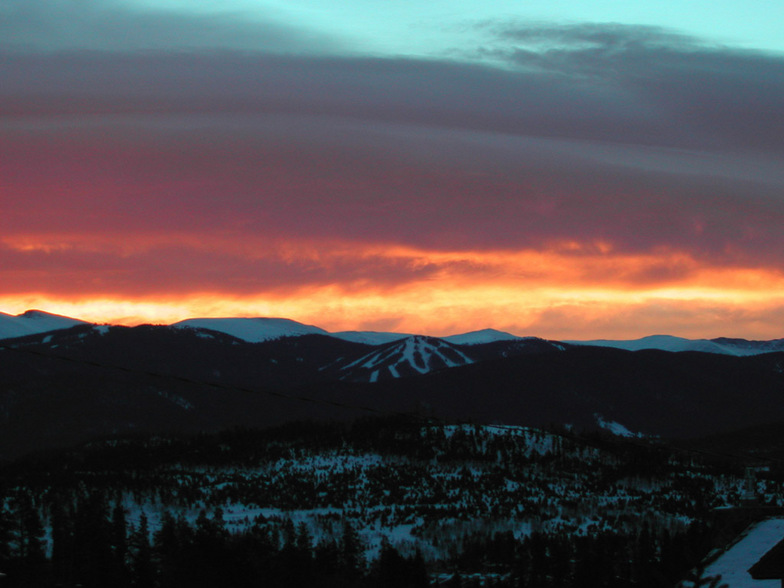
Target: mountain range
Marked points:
255	330
63	381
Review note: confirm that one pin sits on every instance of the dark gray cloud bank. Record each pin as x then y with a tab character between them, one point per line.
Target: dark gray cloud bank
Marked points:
636	136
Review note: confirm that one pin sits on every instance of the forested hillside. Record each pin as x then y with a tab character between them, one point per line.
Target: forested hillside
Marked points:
390	502
74	385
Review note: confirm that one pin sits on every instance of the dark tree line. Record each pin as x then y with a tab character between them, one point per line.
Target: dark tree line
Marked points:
609	560
94	546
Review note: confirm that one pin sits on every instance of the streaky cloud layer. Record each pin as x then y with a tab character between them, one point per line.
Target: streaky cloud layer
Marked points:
572	181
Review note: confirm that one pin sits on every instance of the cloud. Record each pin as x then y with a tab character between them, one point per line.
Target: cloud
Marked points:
591	82
117	26
329	177
623	84
595	146
717	96
694	319
177	269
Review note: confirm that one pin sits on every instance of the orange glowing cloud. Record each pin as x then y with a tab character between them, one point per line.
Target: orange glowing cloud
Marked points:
568	290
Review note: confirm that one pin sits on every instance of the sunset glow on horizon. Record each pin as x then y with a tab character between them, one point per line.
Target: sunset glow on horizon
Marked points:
591	173
552	294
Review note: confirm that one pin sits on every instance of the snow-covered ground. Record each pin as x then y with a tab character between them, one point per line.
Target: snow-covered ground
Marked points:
462	482
475	479
734	563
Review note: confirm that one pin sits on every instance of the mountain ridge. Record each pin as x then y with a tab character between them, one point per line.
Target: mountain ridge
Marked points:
258	329
88	381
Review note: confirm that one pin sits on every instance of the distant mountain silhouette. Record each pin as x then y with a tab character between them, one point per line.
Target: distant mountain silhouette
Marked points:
70	385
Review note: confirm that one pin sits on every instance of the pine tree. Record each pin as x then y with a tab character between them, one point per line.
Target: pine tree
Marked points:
31	566
142	571
304	540
31	532
326	565
417	573
62	542
389	569
94	559
119	545
205	556
351	553
170	542
7	535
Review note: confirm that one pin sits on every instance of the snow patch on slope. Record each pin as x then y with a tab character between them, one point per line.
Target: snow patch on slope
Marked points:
252	330
410	356
614	427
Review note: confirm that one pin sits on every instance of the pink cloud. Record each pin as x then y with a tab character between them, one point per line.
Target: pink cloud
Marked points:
138	175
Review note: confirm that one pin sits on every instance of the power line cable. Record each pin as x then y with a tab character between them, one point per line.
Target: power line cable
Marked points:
207	383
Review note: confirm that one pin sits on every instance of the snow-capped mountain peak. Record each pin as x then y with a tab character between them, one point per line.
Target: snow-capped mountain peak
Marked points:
480	337
661	342
252	330
33	322
738	347
369	337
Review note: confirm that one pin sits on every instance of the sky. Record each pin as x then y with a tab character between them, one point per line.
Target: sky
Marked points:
564	169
